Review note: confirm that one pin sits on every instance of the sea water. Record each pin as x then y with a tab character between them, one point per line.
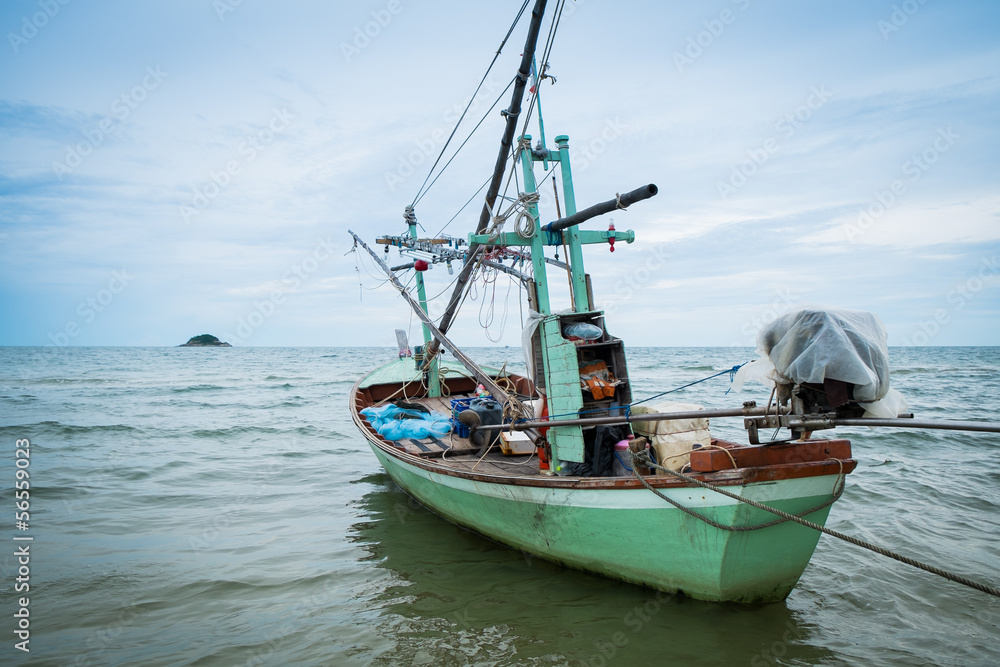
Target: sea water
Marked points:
200	506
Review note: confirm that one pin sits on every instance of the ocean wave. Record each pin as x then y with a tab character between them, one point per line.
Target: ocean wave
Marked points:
959	370
23	398
230	431
75	380
198	387
50	428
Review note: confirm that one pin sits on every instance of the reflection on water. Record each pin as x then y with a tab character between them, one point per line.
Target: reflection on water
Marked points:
454	597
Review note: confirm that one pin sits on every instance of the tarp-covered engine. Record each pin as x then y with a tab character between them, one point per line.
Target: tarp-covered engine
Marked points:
837	359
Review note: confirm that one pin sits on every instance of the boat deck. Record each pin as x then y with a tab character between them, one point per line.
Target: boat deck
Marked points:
460	453
723	463
453	450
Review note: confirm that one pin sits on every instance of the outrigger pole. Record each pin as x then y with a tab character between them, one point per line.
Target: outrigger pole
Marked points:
439	336
511	114
795	422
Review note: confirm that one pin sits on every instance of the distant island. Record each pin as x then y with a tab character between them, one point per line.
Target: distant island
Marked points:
205	340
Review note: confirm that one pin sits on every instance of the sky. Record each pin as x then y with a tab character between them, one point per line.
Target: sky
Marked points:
169	169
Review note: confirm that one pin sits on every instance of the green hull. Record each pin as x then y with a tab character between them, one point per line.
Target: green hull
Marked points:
632	535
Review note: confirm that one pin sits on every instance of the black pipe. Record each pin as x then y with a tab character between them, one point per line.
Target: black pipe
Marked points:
623	201
647	417
986	427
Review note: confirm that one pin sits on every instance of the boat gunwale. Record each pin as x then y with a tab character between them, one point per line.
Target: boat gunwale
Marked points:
731	477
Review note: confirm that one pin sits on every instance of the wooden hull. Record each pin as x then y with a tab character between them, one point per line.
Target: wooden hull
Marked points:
618	528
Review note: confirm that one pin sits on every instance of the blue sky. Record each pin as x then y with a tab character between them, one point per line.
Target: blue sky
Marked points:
171	169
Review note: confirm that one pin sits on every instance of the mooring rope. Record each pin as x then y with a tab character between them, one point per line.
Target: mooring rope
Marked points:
642	459
645	462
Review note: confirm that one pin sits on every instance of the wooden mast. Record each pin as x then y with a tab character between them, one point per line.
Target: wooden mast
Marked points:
512	113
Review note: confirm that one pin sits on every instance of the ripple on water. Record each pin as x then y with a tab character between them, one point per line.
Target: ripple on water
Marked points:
207	511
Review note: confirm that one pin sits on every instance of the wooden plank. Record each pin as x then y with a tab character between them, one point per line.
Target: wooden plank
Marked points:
413	443
713	460
438	443
451	452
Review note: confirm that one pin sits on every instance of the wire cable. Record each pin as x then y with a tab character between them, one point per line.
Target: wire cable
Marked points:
459	149
483	80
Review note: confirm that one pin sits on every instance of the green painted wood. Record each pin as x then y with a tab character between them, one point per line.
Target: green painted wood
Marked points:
581	302
631	535
562	392
541	123
433	376
536	243
587	237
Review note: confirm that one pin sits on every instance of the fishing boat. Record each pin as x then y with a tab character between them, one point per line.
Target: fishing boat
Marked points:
530	460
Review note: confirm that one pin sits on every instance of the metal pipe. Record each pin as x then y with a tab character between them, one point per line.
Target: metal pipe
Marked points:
806	422
622	201
523	277
987	427
649	417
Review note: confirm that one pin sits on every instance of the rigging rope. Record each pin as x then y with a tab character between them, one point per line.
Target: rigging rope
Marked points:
459	149
517	18
515	149
730	371
485	183
627	408
642	459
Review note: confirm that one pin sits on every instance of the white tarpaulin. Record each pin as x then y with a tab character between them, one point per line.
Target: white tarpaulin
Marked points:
815	345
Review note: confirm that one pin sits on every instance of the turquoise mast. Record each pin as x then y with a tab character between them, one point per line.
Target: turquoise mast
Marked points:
431	373
559	355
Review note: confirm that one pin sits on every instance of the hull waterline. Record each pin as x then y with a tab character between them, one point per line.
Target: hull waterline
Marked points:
632	535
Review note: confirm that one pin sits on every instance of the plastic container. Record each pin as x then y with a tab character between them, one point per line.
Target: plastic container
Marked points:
459	404
621	465
490	413
461	430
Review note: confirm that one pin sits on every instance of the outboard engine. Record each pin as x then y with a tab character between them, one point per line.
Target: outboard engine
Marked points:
826	364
